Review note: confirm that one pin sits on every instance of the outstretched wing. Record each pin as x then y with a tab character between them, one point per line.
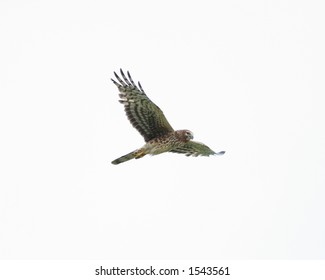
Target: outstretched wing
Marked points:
143	114
195	149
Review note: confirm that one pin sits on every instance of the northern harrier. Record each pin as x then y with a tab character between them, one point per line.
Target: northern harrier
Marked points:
151	123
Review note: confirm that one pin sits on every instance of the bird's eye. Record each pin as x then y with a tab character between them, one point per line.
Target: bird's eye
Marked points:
189	134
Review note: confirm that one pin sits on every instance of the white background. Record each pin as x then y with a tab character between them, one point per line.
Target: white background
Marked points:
245	76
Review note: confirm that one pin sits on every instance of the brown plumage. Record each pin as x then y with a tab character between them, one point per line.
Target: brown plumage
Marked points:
151	123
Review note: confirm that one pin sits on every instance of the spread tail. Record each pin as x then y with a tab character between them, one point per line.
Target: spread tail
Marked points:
135	154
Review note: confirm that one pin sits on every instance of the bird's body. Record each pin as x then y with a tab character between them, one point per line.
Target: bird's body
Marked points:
159	145
151	123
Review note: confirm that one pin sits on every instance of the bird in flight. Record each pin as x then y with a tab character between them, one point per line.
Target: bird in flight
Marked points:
151	123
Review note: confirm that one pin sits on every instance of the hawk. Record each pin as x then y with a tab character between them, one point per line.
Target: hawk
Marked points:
151	123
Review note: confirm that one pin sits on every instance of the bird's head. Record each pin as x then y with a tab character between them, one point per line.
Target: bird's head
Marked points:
185	135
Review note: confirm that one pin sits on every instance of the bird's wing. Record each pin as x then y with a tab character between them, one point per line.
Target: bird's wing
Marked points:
143	114
195	149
